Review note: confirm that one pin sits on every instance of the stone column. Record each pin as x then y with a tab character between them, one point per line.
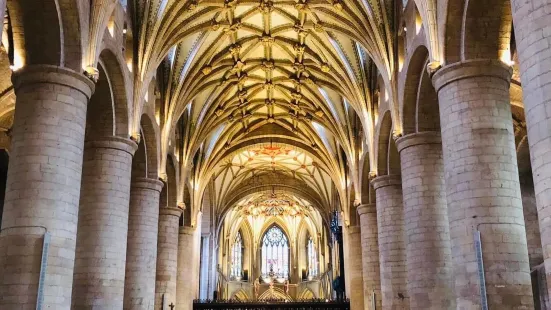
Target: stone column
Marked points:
532	20
482	184
392	249
43	186
98	279
141	254
370	256
197	257
353	265
427	231
167	256
185	281
204	266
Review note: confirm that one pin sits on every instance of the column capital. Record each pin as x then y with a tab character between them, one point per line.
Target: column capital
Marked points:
147	183
186	230
366	209
113	142
469	69
170	211
418	138
386	180
49	74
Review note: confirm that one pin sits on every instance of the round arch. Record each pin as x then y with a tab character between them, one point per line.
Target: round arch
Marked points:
420	110
388	158
119	91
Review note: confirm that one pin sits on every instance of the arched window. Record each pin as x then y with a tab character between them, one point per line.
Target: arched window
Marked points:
237	257
275	254
312	258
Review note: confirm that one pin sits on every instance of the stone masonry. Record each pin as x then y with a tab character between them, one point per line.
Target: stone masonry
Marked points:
370	256
167	256
185	281
353	265
100	262
141	252
427	233
532	22
43	186
482	184
392	250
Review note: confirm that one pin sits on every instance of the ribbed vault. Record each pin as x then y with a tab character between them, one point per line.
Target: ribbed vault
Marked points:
243	70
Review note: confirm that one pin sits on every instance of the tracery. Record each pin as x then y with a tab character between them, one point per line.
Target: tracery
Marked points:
237	257
275	254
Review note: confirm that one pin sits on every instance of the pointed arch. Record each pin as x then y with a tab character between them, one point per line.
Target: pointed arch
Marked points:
240	295
275	253
237	254
306	294
275	293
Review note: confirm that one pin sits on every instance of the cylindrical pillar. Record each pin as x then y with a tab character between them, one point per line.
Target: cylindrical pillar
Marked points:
167	257
198	238
185	280
141	252
370	256
482	184
43	186
98	279
392	249
427	232
353	267
532	20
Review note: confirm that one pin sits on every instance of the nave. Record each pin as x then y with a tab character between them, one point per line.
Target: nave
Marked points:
362	154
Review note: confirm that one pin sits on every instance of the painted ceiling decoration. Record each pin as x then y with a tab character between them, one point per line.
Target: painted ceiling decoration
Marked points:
242	70
274	205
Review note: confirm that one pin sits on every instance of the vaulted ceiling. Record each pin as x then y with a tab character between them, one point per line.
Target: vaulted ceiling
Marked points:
245	73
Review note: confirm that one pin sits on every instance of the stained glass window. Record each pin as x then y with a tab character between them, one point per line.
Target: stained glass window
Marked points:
312	258
237	257
275	254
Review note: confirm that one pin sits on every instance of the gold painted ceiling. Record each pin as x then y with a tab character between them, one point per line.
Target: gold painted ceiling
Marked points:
241	74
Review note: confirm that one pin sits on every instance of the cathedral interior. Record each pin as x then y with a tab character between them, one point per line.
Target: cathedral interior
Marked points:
350	154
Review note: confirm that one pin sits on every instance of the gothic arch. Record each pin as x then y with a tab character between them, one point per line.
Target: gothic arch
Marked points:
240	295
275	222
305	229
275	293
306	294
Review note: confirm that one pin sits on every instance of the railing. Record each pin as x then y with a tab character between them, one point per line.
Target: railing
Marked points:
276	304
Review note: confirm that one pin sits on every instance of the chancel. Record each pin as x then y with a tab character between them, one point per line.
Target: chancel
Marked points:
275	154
